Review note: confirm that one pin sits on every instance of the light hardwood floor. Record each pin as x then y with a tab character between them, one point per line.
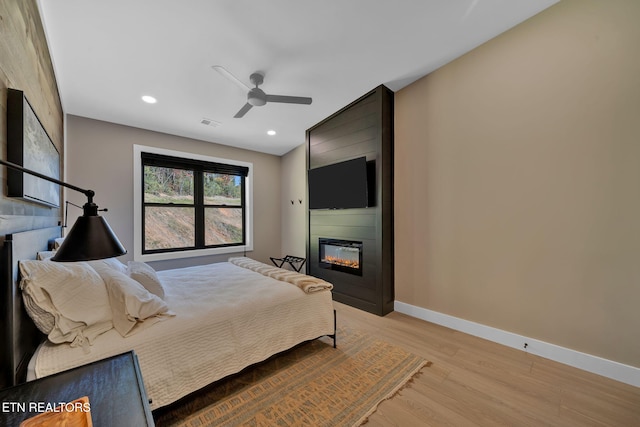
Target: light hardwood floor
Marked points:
474	382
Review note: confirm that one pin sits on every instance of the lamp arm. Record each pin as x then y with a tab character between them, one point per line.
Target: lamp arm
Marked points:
88	193
90	237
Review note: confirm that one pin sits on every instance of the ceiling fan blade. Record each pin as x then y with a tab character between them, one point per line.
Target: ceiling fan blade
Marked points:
289	99
246	107
226	74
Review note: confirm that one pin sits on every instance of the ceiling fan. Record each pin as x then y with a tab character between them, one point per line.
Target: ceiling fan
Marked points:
256	96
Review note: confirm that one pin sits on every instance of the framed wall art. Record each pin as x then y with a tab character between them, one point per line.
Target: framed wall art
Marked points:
29	146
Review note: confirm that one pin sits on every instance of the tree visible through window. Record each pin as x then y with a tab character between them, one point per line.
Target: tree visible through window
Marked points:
223	212
190	204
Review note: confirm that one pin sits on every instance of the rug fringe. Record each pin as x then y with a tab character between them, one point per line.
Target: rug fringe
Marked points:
404	384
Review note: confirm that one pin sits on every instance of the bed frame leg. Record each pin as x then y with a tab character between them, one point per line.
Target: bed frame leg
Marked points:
335	329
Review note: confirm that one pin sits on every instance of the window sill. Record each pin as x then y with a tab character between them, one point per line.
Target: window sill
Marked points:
192	253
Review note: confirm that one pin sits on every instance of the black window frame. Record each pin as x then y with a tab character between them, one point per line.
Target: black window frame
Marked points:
199	168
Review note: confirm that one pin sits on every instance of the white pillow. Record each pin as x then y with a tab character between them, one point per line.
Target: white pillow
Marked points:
73	294
146	276
41	256
58	242
44	320
114	263
132	306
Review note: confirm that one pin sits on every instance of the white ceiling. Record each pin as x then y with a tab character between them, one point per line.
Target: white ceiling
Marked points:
107	54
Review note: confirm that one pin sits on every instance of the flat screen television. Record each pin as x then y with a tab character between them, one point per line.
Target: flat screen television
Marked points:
339	186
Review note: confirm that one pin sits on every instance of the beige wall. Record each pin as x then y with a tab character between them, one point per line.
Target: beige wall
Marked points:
517	186
100	158
294	216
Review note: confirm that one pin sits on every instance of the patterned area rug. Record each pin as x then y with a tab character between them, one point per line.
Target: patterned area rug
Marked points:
310	385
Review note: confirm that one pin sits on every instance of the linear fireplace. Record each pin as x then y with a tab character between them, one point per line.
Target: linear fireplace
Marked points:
340	255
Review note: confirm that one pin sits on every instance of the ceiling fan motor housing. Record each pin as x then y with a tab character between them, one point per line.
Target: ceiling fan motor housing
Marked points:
256	97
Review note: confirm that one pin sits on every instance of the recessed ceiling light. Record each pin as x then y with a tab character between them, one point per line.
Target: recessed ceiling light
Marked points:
271	132
149	99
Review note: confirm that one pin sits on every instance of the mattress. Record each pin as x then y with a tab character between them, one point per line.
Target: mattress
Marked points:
226	318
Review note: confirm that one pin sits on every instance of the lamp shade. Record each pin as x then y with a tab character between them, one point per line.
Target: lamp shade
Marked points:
90	238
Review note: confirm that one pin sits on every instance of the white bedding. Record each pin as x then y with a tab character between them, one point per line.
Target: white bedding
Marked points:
227	318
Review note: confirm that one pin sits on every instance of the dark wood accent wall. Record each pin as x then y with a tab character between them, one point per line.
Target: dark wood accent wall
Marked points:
363	128
25	64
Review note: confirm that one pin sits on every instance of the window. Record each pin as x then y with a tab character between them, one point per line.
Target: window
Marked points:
190	206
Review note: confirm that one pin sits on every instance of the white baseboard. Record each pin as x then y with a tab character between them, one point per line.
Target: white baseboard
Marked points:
597	365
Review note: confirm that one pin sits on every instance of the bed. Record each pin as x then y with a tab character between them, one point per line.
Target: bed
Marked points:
221	318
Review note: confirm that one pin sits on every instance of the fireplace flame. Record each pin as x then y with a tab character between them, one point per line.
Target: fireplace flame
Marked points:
341	261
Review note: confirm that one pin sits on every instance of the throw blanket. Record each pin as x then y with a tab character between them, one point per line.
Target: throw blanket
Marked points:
308	284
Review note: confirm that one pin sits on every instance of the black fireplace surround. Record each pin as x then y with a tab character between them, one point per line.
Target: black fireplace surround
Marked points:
340	255
363	128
